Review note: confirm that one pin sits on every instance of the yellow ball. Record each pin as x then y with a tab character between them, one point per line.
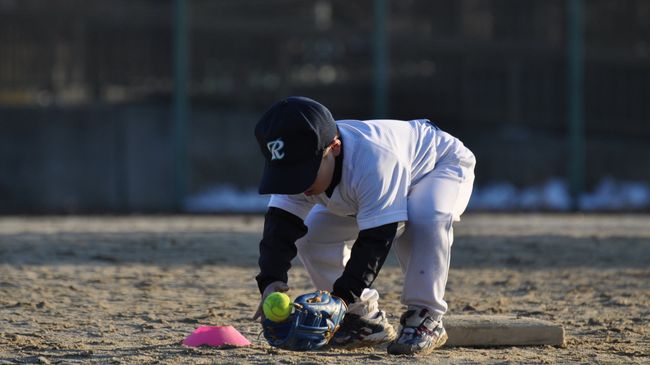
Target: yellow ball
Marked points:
277	307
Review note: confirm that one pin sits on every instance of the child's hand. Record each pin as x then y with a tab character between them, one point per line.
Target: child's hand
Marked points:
276	286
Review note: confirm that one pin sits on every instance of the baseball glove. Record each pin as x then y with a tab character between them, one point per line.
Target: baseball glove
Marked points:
315	319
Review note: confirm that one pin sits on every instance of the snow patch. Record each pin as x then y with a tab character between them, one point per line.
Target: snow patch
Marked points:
553	195
227	199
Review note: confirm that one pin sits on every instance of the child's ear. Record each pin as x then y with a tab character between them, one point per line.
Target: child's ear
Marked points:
336	147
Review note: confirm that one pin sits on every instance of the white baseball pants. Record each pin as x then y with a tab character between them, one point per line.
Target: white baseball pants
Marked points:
422	244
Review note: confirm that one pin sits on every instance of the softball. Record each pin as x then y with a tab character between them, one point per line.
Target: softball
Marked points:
277	307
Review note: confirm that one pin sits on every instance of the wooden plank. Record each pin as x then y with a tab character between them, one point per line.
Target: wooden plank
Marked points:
491	330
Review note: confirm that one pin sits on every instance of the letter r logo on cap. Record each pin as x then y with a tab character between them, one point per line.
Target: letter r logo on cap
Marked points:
275	147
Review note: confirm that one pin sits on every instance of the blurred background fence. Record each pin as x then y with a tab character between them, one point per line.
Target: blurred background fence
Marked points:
87	91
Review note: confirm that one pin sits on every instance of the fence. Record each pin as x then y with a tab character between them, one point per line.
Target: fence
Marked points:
491	72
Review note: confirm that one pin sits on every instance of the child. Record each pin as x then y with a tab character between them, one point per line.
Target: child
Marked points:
344	192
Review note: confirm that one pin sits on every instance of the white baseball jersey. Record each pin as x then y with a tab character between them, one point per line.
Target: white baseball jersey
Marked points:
382	161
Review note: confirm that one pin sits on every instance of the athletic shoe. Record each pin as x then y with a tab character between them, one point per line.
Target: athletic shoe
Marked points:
420	333
357	331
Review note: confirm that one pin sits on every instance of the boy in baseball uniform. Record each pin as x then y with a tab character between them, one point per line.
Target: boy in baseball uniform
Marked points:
343	193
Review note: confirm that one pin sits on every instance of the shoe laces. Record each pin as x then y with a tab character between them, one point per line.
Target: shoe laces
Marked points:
417	323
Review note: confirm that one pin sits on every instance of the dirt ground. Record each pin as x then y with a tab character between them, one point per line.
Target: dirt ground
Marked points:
129	289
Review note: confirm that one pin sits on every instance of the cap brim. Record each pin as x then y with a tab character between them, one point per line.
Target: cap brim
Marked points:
289	179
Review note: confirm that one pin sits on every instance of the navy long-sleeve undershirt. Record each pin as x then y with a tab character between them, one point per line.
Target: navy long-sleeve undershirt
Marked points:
277	248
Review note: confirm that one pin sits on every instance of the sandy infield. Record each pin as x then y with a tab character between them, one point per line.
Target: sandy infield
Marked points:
129	289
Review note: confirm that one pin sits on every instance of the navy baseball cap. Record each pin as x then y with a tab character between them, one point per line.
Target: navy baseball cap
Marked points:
292	136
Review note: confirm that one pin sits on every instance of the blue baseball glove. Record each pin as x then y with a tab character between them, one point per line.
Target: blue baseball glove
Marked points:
314	320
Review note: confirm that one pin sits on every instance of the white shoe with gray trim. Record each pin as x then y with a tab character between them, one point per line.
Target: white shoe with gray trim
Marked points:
420	333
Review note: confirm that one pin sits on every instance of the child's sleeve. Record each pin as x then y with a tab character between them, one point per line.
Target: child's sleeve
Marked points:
278	246
294	204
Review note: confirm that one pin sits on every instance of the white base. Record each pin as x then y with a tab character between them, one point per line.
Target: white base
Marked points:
490	330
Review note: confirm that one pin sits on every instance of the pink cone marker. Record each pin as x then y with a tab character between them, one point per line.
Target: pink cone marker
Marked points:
216	336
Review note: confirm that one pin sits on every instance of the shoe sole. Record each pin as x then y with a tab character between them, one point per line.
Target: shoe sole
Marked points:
399	349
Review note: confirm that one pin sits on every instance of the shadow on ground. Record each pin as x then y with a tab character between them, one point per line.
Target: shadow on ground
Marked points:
241	249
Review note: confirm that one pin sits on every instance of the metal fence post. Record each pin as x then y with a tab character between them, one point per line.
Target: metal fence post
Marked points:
380	60
180	103
575	100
